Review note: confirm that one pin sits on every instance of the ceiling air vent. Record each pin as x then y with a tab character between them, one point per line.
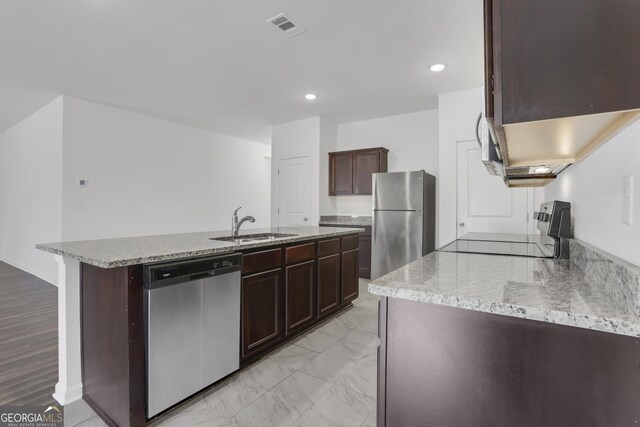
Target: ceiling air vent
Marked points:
289	28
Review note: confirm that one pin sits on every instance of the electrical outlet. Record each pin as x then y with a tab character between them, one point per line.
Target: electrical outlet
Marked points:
627	200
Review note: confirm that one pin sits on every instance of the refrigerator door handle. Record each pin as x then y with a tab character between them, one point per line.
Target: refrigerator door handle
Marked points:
373	229
374	192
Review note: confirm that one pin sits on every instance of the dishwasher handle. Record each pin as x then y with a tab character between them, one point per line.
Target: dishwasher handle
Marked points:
213	273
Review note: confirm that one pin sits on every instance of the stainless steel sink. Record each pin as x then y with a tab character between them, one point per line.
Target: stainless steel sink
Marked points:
253	238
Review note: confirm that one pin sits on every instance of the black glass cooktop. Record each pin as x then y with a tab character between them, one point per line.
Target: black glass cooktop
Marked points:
491	247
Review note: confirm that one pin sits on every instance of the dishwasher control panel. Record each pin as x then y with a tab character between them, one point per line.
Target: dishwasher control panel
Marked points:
167	273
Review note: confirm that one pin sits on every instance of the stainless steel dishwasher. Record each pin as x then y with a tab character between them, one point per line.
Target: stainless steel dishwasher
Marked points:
192	325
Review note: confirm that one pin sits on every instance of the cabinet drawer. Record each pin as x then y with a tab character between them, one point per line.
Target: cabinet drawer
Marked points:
300	253
328	247
351	242
259	261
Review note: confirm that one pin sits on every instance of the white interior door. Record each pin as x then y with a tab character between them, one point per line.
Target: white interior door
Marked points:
294	197
485	203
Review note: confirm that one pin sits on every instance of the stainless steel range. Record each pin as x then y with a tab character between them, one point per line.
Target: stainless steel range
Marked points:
554	223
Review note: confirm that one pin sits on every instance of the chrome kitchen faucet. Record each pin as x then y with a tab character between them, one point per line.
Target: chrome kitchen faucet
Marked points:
235	224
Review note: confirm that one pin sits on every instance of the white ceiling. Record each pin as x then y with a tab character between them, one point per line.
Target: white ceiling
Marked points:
218	65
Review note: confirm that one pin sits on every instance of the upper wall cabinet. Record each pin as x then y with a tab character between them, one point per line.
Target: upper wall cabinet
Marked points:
561	77
350	171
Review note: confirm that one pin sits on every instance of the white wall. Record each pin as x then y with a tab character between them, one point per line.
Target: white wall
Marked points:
412	141
458	112
328	143
594	188
150	176
145	176
1	196
296	139
32	189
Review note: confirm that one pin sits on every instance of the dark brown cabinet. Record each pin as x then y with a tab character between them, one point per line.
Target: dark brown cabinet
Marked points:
532	373
350	171
261	311
329	298
350	288
286	289
560	81
341	174
300	280
367	163
547	60
364	244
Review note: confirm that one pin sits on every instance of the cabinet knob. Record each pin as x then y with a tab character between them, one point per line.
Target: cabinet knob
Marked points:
305	219
461	224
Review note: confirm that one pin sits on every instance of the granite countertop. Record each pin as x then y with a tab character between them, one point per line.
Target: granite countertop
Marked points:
548	290
342	220
109	253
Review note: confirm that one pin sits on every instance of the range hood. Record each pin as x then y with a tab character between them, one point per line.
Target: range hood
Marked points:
532	154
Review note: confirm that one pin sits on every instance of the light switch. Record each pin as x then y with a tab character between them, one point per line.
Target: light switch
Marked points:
627	200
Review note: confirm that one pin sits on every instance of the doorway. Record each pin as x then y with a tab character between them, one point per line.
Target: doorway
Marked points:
294	195
484	202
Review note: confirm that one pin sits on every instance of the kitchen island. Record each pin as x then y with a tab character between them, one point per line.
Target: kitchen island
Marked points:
290	278
470	339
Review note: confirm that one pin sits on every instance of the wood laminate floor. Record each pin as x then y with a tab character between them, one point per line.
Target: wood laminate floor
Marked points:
28	338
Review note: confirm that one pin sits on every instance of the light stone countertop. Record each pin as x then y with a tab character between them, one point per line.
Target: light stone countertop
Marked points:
343	220
547	290
109	253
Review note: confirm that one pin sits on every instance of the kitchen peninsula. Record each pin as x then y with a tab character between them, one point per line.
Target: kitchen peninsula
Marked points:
288	279
471	339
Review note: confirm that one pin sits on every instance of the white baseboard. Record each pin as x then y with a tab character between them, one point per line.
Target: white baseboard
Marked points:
46	278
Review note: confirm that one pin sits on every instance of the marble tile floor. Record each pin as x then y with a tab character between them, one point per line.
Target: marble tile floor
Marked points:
326	377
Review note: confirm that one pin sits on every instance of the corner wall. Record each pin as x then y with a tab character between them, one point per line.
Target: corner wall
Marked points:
32	190
145	176
594	188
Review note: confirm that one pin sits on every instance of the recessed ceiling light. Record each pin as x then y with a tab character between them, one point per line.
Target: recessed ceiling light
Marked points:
310	96
437	67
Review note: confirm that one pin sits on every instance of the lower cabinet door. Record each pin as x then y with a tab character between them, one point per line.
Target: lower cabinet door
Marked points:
300	299
350	267
261	311
365	256
329	297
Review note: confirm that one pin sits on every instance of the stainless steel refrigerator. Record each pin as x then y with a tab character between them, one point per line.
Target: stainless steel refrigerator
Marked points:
404	219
